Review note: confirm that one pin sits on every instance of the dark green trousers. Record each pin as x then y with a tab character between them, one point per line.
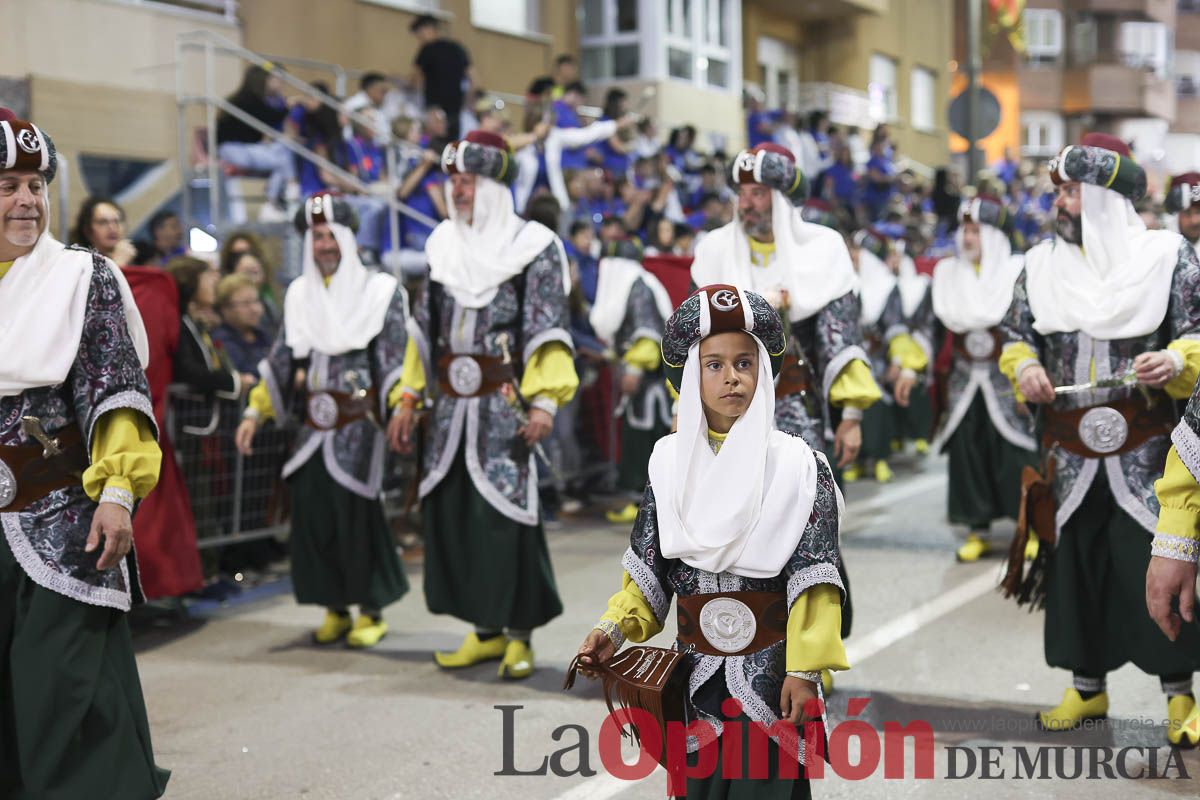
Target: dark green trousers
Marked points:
481	566
343	550
72	718
878	430
633	468
916	421
716	787
985	470
1096	618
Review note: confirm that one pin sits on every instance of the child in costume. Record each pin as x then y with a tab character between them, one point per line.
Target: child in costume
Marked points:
740	522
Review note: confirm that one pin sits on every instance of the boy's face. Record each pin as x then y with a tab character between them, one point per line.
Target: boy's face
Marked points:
728	377
583	239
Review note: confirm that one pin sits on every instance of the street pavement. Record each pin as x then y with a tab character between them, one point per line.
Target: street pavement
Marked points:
243	707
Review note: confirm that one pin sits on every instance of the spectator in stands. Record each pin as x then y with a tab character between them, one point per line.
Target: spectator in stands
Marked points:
240	333
372	102
612	229
435	132
250	266
100	225
443	69
613	152
319	128
418	184
880	178
760	123
1007	168
682	155
166	240
566	115
365	160
566	72
945	199
243	146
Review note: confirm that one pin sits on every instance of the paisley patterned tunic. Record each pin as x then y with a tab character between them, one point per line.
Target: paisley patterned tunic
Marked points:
1068	359
353	454
48	537
756	679
528	311
642	321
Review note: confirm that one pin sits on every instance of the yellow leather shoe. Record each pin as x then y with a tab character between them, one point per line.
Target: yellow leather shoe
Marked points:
471	652
1031	546
897	445
333	628
921	446
852	473
518	661
1183	721
975	548
623	516
827	682
367	631
1072	711
883	473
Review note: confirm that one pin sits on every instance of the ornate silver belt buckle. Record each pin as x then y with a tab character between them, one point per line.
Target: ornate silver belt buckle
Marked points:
727	624
1103	429
979	344
8	485
466	376
323	411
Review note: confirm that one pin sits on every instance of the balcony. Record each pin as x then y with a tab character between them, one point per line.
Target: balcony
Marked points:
1118	90
817	10
1144	10
1187	29
1187	115
1041	86
845	106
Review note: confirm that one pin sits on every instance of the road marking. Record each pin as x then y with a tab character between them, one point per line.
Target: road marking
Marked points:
889	496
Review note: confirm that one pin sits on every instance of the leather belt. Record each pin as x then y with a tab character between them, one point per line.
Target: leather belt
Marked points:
979	345
470	375
1111	429
795	377
329	411
27	474
732	623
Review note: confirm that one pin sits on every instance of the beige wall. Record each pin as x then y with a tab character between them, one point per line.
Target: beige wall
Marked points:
363	35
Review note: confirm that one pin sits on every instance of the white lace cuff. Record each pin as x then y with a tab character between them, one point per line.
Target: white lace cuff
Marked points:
908	373
250	412
815	677
121	497
612	631
1024	365
852	414
1179	548
545	404
1176	361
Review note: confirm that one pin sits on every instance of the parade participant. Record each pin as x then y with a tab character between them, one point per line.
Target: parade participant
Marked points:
987	434
1183	200
338	356
78	449
885	338
1171	576
914	420
1104	312
738	516
628	310
491	350
804	271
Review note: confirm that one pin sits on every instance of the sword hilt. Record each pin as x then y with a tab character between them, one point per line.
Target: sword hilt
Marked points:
32	427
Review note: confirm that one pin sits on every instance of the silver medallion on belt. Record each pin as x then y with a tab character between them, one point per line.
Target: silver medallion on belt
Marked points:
1103	429
727	624
466	376
8	485
979	344
323	411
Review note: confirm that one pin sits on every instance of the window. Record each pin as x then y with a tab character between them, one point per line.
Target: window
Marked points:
1187	73
699	39
779	71
1145	45
921	98
610	40
510	16
1042	133
1043	35
881	89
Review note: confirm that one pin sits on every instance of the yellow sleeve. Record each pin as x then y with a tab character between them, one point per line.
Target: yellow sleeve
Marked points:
412	374
1180	387
854	387
630	611
1179	495
814	631
124	455
903	349
644	355
1012	357
260	401
550	373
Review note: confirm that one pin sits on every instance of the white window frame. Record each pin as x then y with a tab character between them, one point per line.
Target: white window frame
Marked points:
776	56
886	109
1145	45
700	50
926	121
610	37
1055	129
1043	34
1187	65
530	27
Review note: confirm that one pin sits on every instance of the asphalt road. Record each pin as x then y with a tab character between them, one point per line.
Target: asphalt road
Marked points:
242	707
